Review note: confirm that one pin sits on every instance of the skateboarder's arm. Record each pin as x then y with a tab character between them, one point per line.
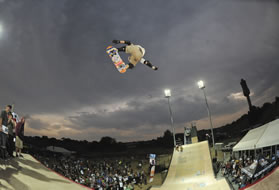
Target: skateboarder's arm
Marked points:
121	42
125	42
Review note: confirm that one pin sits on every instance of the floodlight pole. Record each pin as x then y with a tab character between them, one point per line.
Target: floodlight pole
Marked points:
171	118
168	95
209	115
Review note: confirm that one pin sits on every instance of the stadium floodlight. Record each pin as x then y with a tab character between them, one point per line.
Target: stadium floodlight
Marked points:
168	95
201	84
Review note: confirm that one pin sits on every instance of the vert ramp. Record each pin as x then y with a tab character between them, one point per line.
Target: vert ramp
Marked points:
28	174
192	169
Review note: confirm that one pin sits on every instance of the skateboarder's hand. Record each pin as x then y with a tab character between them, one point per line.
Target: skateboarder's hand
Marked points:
116	41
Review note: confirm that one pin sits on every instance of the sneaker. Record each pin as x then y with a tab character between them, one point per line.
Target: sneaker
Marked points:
154	68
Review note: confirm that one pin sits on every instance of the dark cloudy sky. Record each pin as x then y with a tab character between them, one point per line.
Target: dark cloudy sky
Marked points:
55	69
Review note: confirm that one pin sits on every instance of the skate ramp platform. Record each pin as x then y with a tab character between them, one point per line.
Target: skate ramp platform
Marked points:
269	182
192	169
28	174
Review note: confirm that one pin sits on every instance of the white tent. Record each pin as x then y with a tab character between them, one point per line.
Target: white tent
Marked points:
249	141
270	136
264	136
59	149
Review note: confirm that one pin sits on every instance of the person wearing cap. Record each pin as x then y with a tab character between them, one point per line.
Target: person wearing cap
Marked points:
136	54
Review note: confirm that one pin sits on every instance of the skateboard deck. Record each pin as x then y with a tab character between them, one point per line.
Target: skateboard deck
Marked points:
116	59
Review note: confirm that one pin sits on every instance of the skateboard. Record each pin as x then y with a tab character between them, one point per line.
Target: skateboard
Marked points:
116	59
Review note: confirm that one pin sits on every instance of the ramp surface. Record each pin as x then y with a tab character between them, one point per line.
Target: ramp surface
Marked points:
192	170
28	174
269	182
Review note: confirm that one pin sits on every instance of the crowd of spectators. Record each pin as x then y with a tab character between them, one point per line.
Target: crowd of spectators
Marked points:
233	169
96	174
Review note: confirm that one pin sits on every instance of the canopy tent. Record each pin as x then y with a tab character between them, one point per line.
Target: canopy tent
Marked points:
258	167
250	170
264	136
249	141
270	136
59	149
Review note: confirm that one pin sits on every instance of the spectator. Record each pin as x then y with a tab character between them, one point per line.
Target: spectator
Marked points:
3	126
19	137
10	143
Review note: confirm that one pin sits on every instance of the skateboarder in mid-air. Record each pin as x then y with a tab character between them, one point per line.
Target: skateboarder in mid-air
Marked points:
136	54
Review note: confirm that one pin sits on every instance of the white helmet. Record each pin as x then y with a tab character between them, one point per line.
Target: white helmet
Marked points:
141	49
